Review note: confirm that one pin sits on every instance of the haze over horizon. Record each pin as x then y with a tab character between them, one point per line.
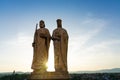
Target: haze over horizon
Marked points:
93	27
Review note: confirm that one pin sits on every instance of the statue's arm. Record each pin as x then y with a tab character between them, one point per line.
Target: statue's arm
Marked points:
43	35
55	36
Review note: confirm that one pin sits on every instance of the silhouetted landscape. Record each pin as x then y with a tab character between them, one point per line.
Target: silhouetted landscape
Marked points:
114	70
106	74
85	76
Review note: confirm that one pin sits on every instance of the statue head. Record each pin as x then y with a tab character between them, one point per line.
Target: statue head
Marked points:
41	24
59	23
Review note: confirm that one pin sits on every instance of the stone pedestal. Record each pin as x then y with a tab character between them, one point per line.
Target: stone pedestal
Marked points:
49	76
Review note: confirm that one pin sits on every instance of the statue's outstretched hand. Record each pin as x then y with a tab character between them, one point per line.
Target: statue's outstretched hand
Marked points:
56	38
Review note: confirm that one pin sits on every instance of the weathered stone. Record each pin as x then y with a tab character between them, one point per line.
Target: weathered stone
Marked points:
60	41
41	48
49	76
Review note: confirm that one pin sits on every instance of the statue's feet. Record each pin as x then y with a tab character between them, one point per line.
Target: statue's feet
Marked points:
39	71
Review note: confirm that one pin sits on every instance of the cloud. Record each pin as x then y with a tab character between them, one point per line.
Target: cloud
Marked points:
97	55
17	52
80	39
103	46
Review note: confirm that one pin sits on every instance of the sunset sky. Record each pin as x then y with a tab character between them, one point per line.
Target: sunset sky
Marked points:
93	27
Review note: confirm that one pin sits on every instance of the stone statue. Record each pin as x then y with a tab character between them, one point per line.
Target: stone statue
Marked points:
40	45
60	41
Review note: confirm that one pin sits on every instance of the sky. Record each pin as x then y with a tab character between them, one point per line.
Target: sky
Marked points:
93	27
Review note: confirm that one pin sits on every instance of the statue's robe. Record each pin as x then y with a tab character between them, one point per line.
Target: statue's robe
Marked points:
40	50
60	38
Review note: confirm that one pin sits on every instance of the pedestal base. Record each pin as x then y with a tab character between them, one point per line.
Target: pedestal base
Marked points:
49	76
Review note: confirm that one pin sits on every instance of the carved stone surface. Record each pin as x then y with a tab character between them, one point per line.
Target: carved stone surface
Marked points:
49	76
41	45
60	41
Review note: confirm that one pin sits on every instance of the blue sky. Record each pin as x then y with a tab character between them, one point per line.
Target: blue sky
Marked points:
93	27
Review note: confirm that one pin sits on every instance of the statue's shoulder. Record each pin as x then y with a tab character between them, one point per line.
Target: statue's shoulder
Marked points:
38	30
46	29
42	29
55	30
64	30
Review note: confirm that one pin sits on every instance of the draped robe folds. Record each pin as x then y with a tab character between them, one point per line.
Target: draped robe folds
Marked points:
40	50
60	37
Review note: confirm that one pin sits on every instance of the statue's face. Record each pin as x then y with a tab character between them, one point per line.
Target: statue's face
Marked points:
59	24
42	25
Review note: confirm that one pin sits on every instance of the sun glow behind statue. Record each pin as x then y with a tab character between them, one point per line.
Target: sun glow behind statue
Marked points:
50	63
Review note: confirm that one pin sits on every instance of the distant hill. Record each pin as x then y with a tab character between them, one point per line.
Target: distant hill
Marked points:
114	70
5	73
10	73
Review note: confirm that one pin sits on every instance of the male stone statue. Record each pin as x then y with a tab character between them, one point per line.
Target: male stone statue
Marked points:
41	46
60	41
